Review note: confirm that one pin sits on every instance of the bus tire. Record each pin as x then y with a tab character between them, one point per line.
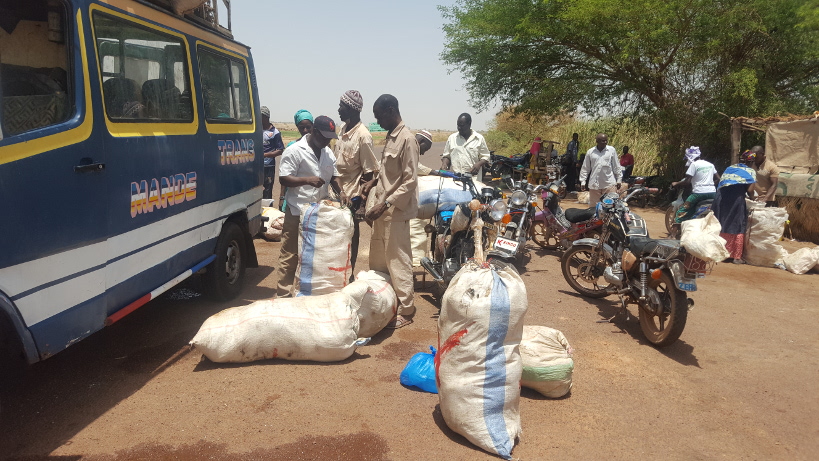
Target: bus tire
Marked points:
13	364
226	274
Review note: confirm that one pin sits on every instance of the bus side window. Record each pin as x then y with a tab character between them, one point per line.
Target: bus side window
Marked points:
34	65
224	88
144	72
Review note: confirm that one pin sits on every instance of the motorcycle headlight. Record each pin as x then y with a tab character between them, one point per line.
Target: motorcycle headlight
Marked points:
519	198
497	208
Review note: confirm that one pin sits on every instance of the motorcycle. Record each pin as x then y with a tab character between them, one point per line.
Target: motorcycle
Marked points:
502	166
464	233
703	208
516	225
556	229
656	275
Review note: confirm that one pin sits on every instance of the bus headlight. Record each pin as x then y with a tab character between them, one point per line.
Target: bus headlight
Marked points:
519	198
497	208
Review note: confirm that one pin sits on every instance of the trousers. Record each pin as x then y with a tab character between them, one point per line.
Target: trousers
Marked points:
391	252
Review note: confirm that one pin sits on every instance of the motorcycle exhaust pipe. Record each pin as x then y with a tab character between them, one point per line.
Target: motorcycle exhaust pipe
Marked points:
428	266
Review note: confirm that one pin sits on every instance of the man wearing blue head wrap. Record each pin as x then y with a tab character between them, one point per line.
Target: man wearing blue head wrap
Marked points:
304	123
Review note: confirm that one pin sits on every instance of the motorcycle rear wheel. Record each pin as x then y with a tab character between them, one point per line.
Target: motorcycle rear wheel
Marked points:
581	275
666	327
544	236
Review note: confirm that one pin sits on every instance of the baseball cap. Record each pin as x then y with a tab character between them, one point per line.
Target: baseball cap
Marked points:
265	112
326	126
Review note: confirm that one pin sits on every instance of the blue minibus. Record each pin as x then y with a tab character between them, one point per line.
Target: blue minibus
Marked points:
130	158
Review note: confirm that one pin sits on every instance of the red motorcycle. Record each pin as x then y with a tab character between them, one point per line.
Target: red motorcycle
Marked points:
556	229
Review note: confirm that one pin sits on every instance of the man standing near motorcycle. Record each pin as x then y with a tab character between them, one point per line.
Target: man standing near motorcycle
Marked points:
465	150
602	169
395	202
571	162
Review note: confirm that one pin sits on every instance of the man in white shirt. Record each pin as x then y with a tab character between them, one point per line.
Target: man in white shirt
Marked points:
602	169
465	150
703	178
307	168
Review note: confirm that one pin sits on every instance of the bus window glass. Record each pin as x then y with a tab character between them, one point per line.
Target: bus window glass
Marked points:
225	88
144	72
34	66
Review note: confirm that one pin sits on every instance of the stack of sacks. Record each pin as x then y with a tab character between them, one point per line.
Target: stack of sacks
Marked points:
274	224
547	361
377	301
318	328
418	240
325	238
443	194
478	363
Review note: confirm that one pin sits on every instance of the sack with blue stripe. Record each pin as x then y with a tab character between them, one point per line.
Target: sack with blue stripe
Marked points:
325	238
478	362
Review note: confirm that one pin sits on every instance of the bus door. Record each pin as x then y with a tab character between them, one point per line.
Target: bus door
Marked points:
53	174
155	162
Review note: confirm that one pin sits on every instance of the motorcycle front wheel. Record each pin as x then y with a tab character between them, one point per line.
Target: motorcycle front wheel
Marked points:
580	274
665	326
544	236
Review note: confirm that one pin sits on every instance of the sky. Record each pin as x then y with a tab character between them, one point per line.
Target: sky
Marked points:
307	54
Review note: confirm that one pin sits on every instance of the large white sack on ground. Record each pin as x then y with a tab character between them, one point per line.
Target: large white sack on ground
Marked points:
274	224
418	240
801	260
318	328
376	299
478	363
444	191
700	237
325	238
765	228
547	361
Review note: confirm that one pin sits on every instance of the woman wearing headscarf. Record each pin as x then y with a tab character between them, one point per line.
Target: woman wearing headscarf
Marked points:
703	178
729	205
304	123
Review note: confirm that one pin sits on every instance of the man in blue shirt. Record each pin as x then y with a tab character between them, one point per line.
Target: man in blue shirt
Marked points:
273	147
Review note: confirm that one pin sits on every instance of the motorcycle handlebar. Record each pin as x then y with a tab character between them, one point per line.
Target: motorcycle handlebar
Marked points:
448	174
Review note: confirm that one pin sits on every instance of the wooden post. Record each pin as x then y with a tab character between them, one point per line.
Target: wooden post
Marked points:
736	140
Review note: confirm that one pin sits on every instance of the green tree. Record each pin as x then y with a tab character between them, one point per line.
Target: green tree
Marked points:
678	62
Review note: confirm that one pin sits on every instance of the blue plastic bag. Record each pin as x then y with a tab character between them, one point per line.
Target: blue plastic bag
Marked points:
420	372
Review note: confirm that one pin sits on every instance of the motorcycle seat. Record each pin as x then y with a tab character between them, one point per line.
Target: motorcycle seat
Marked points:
646	245
574	215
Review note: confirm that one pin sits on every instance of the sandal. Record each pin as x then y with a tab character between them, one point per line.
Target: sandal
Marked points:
397	322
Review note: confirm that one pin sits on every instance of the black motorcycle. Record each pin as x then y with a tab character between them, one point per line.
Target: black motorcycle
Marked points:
653	274
501	166
453	235
516	227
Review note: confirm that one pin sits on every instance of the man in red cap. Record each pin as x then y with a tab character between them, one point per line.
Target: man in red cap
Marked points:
307	169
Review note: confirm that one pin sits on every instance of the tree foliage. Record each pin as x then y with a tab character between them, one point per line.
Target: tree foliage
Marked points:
679	62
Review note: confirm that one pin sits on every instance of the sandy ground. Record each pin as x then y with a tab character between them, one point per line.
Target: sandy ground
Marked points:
739	384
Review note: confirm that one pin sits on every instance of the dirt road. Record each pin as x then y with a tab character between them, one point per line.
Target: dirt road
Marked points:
739	384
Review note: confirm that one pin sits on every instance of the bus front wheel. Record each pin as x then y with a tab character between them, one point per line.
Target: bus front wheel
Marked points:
226	274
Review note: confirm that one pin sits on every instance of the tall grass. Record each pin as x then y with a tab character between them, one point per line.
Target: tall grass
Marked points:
512	135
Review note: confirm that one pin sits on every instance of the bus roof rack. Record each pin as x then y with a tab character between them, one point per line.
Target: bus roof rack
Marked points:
202	12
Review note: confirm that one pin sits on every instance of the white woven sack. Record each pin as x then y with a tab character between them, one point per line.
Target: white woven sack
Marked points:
318	328
443	194
418	240
377	301
583	197
802	260
765	228
547	361
700	237
478	364
325	238
274	224
460	220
